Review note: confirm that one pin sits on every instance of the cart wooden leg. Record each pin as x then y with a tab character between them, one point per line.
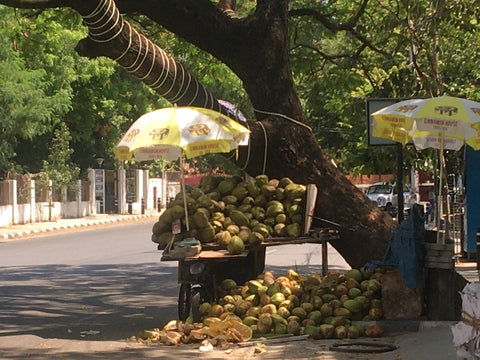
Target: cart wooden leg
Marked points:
324	258
198	297
184	303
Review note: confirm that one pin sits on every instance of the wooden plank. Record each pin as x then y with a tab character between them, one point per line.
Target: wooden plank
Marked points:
439	254
218	254
445	247
438	259
310	207
324	258
439	265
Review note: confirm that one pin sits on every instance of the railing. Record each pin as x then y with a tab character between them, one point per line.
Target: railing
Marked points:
24	200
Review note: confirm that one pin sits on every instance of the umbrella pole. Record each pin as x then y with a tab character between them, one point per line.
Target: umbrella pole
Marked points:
440	240
184	193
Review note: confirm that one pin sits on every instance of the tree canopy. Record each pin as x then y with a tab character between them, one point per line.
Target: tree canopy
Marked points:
338	59
299	70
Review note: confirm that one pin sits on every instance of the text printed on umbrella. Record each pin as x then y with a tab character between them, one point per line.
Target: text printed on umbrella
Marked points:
204	147
440	124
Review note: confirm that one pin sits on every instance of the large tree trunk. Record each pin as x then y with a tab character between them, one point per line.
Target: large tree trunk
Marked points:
256	49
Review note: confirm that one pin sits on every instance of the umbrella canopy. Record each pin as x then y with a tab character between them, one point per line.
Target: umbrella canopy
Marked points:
443	122
166	133
169	132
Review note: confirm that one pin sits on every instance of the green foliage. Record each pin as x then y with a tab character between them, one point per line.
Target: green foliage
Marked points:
29	105
44	83
58	166
390	51
393	49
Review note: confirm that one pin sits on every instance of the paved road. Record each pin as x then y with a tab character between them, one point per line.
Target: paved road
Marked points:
80	294
105	282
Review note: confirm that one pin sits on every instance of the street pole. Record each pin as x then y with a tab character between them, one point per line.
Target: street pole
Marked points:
400	200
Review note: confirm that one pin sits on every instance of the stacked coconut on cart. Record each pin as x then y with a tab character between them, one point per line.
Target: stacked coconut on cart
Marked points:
234	213
230	214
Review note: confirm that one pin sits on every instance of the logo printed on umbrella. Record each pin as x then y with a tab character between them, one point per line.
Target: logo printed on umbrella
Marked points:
199	129
406	108
450	110
159	134
132	134
223	121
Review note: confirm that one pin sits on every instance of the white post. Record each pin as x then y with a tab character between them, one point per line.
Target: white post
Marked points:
91	192
440	239
138	185
184	195
79	198
32	202
13	197
122	191
164	188
64	209
145	189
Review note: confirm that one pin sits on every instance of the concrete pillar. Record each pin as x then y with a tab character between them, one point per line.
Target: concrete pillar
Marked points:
50	200
122	191
63	194
79	198
64	202
32	202
91	192
145	188
138	185
13	200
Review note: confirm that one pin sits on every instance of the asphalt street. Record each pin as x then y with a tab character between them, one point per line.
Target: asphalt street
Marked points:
73	303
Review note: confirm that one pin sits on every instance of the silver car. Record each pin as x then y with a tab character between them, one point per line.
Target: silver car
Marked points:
385	195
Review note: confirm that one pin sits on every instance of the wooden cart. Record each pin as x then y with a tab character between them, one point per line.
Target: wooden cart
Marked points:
199	275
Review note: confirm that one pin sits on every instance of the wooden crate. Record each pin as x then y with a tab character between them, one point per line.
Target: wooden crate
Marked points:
439	256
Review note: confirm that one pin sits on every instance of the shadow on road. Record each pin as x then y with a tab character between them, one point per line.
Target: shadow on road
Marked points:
95	302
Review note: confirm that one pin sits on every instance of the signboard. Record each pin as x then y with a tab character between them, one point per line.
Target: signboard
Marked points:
99	184
372	105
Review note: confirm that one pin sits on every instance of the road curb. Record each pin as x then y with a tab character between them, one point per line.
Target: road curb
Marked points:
85	223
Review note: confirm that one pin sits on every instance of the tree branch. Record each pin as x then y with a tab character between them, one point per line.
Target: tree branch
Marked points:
36	4
348	26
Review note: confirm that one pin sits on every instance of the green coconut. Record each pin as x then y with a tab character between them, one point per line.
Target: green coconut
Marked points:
235	246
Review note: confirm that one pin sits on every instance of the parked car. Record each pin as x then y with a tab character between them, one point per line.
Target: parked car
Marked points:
385	195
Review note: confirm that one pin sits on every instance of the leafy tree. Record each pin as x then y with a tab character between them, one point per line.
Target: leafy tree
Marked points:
346	50
58	166
28	107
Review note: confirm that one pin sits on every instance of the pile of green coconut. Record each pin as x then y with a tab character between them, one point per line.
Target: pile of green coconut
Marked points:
337	305
321	307
234	212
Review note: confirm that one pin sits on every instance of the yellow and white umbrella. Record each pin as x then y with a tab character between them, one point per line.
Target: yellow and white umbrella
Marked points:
442	122
168	133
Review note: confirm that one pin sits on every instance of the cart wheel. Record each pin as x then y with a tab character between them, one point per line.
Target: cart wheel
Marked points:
184	297
198	297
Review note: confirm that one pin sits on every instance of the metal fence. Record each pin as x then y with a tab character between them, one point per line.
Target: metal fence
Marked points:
23	188
44	191
5	192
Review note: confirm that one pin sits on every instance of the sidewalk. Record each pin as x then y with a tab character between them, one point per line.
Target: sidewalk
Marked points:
21	230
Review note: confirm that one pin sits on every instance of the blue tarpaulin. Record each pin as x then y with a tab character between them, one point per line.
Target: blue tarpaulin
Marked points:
405	249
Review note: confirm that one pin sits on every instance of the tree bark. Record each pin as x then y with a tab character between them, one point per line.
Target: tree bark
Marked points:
256	49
